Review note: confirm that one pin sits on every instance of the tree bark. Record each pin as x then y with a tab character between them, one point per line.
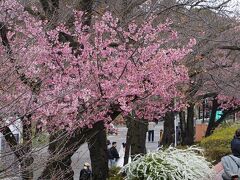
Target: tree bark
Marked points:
138	136
212	123
168	133
182	126
190	131
128	142
27	160
97	145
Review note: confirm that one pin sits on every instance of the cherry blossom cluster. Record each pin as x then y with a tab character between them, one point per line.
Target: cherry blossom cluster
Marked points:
129	67
228	102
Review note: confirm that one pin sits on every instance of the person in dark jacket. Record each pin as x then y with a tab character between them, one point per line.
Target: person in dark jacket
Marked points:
113	154
235	144
109	154
86	173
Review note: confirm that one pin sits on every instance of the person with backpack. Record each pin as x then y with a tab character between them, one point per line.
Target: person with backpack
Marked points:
231	163
109	154
113	155
85	173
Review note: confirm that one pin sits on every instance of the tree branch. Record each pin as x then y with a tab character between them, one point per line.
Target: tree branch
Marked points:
35	83
225	114
45	6
234	48
11	140
33	13
87	7
208	95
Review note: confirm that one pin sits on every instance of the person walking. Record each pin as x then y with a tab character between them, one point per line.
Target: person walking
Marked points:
85	173
160	138
109	154
113	154
235	144
151	126
231	163
121	155
178	133
120	161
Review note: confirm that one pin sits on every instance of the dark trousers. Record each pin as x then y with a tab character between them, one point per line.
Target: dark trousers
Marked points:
150	135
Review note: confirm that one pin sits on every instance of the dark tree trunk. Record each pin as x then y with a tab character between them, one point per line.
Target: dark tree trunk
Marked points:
97	145
27	160
212	122
63	145
224	115
136	137
182	126
168	133
138	140
190	131
128	142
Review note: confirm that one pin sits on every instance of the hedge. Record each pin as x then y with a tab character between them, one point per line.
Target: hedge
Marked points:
219	143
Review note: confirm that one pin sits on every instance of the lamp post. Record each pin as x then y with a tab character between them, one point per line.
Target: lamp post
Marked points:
203	106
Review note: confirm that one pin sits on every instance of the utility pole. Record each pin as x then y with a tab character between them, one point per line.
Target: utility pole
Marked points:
175	125
203	113
175	129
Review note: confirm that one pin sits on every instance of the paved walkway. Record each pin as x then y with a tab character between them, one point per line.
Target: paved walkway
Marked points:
219	171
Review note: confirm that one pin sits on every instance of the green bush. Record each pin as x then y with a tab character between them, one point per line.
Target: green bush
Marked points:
114	174
219	143
40	140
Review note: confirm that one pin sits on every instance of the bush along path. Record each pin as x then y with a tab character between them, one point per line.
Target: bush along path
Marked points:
172	163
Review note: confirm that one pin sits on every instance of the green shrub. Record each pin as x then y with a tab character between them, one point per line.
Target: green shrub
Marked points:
219	143
114	174
40	140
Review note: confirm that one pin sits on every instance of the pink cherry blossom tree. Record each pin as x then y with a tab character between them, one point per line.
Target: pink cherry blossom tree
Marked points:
72	79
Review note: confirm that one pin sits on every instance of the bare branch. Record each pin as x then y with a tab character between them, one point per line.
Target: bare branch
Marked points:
234	48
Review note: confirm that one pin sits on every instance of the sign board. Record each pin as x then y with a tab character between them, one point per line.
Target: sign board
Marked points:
219	113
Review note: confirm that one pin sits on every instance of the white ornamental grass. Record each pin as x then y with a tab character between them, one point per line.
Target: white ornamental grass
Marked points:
170	164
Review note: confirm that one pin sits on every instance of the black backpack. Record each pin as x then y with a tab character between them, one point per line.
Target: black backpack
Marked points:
85	175
109	152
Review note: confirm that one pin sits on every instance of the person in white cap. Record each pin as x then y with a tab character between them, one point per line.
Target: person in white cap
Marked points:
86	173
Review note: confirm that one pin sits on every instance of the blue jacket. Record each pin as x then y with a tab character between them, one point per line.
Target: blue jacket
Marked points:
235	147
231	166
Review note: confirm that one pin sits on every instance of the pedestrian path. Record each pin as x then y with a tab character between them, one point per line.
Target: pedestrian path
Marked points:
219	171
